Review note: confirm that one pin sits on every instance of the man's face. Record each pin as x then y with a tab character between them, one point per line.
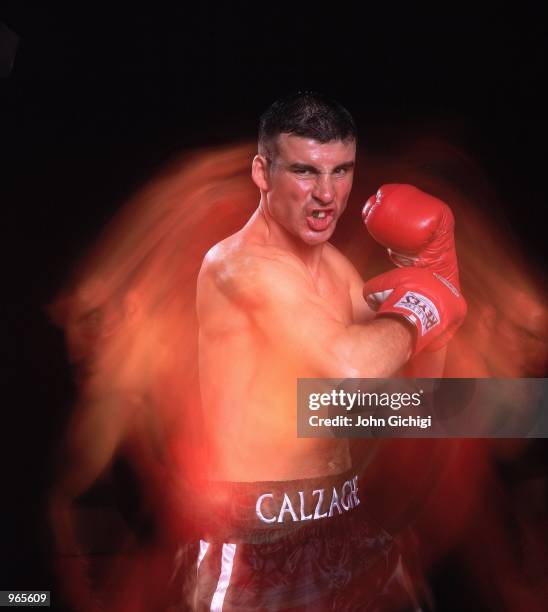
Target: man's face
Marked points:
309	184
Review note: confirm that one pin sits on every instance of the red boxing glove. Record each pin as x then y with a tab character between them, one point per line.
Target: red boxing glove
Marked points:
416	228
424	298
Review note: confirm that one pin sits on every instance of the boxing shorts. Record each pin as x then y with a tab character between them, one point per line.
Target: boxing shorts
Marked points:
293	545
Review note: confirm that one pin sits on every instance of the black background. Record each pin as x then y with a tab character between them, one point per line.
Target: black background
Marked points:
98	99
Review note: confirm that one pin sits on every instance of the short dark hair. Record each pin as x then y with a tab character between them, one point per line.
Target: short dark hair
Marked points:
308	114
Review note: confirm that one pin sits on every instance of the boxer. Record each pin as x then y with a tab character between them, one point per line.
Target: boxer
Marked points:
282	524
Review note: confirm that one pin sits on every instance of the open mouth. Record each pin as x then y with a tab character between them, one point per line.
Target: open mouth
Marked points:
320	219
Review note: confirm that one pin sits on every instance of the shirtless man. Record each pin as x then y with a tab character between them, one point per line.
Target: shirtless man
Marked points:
276	301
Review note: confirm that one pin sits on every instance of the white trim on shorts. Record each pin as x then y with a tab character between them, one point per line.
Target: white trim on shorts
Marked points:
227	563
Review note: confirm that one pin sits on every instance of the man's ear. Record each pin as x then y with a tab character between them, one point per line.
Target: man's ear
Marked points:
259	172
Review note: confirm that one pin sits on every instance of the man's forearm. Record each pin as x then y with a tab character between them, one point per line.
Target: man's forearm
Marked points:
377	349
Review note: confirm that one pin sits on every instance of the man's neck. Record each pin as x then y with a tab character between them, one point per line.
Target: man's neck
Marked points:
274	234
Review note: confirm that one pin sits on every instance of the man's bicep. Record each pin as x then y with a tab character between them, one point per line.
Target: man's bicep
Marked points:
361	313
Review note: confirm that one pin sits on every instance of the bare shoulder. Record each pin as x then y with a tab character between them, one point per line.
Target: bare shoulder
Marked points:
242	271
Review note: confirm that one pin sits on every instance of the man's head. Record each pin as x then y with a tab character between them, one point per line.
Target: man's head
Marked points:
304	167
308	115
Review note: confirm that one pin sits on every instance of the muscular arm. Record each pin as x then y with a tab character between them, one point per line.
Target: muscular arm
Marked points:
361	313
285	309
424	365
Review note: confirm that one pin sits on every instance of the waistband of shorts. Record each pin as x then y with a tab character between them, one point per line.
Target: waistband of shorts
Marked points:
266	509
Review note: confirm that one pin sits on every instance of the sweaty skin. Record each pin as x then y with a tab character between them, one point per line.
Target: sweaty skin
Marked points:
276	301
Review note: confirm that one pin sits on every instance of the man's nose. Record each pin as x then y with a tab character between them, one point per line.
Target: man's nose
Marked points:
324	190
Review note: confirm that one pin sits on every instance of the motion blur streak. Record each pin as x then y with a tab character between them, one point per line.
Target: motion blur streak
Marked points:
129	318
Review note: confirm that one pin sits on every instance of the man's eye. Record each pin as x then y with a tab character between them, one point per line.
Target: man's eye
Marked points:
302	171
340	171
